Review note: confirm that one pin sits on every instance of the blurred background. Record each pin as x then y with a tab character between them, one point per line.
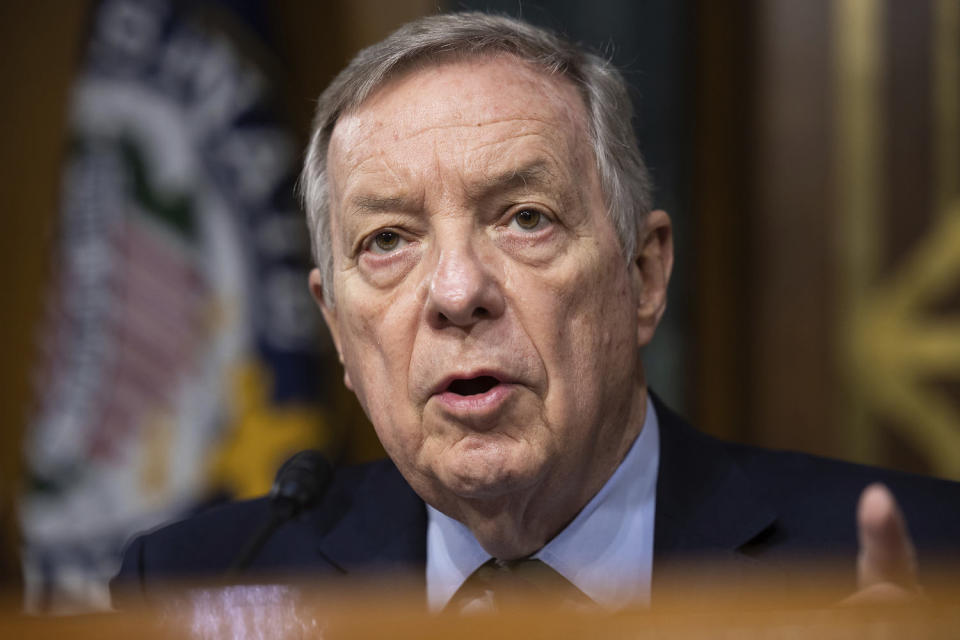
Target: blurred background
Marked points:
160	350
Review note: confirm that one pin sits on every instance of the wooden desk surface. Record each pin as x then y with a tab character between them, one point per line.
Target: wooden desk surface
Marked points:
380	610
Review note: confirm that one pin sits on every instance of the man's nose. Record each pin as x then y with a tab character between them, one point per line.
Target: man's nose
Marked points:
462	290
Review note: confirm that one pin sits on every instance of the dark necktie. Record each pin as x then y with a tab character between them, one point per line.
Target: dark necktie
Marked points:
501	582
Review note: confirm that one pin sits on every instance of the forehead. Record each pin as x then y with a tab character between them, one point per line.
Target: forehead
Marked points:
501	93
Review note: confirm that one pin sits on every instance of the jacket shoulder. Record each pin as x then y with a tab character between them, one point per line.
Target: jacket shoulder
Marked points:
203	546
715	495
813	492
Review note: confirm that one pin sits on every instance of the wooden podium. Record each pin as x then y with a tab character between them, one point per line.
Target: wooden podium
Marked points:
397	610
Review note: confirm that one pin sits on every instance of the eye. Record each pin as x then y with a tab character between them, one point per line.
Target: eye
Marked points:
386	241
529	220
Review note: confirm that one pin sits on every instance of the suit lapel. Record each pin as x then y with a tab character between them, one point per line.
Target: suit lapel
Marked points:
706	506
372	522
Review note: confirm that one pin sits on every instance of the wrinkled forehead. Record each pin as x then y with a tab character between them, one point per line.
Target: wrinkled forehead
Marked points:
474	91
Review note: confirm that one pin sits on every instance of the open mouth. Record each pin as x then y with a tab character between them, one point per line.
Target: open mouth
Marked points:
473	386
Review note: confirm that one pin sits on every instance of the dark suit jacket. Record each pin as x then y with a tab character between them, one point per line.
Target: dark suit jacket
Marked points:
740	509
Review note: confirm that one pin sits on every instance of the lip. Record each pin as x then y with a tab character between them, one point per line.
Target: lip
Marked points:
477	406
442	386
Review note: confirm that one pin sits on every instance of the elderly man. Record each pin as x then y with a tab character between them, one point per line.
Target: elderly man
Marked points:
490	269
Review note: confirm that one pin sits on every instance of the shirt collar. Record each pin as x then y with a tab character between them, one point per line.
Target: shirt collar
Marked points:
606	551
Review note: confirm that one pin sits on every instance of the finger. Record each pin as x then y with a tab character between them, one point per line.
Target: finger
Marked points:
886	551
881	593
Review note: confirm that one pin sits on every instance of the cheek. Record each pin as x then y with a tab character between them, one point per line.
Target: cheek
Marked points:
377	362
593	337
376	351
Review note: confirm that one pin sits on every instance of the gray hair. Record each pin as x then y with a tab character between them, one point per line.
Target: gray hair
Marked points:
623	176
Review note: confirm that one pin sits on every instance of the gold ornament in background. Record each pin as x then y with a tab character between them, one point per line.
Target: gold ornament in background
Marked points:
891	345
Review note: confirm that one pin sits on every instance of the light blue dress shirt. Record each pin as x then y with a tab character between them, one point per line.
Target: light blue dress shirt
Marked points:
607	551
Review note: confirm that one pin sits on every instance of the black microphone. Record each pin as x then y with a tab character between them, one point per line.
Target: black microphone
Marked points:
300	482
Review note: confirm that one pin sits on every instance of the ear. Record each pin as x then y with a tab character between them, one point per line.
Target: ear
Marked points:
330	317
652	266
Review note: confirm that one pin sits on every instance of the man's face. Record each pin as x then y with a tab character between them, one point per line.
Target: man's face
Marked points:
485	315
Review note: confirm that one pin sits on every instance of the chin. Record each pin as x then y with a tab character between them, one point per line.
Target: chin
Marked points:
487	472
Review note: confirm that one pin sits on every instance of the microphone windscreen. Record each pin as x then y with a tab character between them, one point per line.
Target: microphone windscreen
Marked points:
301	481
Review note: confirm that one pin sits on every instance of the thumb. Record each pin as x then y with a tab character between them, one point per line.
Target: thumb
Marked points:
886	553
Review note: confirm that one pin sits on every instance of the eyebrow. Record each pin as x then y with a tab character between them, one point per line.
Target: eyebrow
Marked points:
537	173
368	203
